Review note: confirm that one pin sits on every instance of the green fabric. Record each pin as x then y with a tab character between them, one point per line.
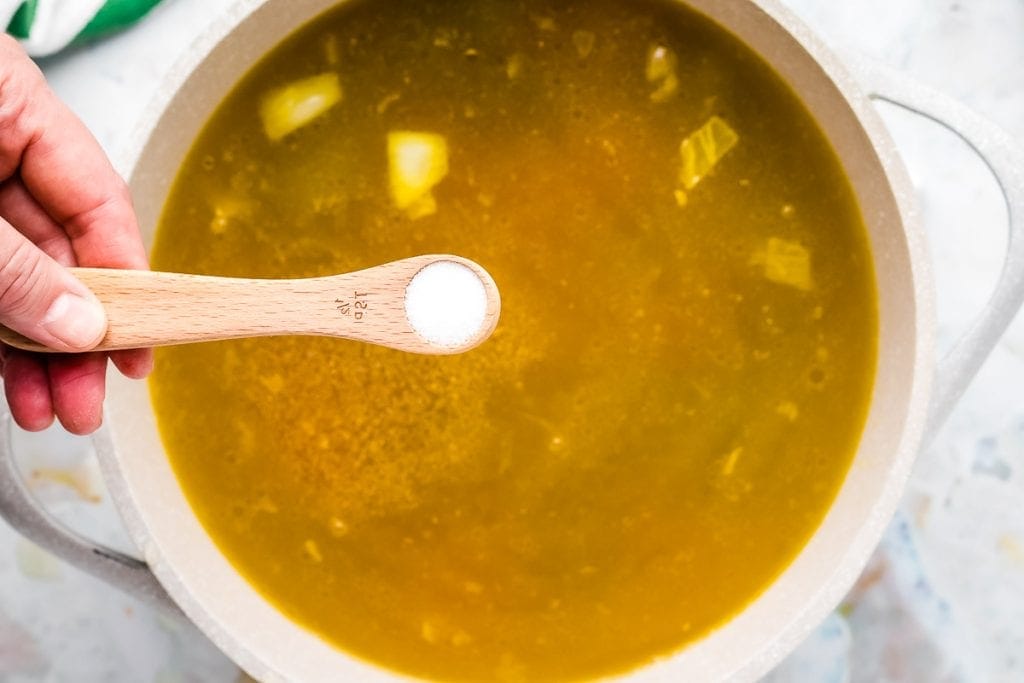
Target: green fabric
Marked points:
114	16
22	20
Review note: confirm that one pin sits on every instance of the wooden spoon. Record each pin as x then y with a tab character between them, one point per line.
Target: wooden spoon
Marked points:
146	308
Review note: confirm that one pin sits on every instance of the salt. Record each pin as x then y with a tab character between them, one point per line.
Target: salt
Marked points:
446	303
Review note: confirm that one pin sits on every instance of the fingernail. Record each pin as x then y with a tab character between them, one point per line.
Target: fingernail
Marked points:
78	322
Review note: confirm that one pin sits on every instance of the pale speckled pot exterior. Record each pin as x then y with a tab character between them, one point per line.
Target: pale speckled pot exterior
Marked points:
271	648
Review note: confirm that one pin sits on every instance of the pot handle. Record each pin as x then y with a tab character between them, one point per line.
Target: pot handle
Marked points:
28	517
1004	157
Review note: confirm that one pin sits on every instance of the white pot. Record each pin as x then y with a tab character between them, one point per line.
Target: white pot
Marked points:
191	574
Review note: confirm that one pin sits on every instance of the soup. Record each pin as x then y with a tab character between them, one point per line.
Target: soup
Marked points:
674	392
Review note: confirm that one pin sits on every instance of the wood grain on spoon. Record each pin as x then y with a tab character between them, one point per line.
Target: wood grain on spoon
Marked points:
146	308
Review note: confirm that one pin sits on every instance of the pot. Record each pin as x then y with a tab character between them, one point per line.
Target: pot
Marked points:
181	569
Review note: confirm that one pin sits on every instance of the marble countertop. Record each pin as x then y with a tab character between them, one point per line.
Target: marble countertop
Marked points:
943	596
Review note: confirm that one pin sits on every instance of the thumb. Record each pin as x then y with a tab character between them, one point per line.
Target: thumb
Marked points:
43	301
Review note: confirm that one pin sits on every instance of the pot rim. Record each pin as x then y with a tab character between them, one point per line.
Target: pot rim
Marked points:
858	549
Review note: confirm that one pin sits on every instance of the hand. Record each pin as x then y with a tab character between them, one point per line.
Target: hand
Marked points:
61	204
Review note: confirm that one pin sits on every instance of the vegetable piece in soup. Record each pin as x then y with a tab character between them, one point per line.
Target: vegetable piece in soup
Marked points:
671	400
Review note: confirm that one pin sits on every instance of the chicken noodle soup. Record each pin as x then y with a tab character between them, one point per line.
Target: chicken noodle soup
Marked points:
670	401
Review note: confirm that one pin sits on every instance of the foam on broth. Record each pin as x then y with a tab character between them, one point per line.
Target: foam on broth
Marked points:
668	405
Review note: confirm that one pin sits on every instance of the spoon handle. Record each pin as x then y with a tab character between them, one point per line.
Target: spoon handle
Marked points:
147	308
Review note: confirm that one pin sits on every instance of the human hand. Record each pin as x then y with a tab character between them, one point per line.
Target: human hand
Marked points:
61	204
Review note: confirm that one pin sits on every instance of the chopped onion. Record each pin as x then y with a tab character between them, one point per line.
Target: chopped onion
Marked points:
417	162
785	262
704	148
661	69
584	42
284	110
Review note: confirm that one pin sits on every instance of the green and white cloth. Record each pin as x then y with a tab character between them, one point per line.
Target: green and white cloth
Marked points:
48	26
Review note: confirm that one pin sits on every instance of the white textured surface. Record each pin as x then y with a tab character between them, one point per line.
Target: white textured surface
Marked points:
943	598
446	303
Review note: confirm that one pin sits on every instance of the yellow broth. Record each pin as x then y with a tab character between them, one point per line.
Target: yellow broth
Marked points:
674	392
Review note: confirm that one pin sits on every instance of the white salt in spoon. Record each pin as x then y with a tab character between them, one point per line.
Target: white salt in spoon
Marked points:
434	304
